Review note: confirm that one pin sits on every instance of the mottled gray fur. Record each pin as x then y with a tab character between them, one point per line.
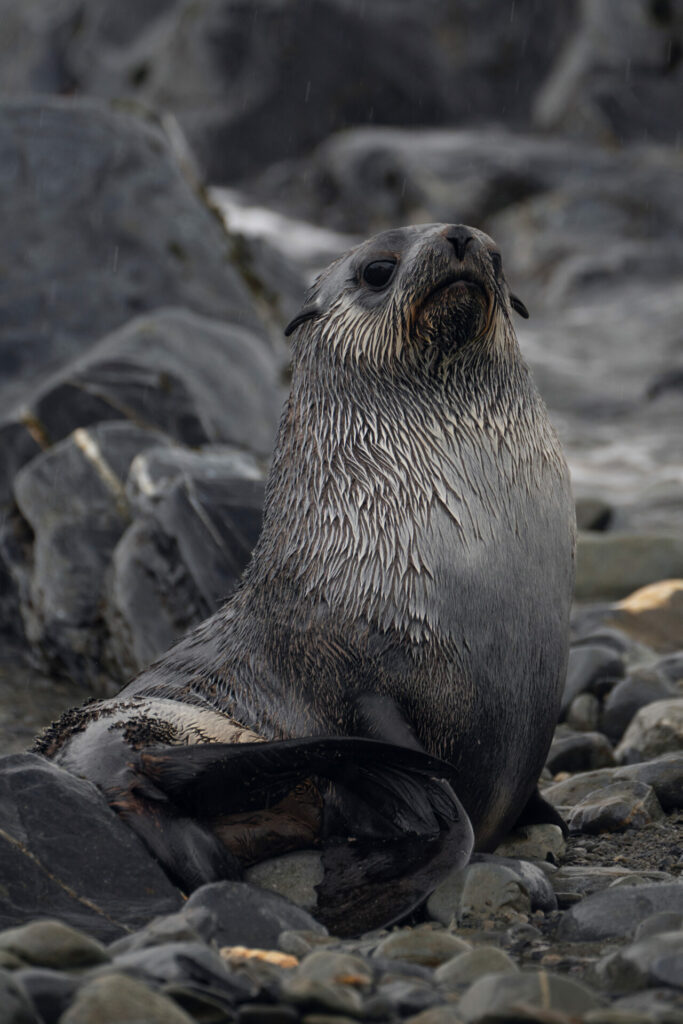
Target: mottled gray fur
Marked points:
418	533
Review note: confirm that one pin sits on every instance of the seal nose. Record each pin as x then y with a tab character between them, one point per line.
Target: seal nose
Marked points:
460	237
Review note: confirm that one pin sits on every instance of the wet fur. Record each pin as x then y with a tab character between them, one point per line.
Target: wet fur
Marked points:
417	545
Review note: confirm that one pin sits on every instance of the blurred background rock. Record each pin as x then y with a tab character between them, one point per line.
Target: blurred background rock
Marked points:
173	173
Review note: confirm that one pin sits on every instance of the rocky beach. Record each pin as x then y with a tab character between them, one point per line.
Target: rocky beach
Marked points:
172	177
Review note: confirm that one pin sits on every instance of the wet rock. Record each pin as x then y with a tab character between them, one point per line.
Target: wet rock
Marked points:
656	729
192	966
664	774
664	921
339	968
312	994
616	807
16	1007
490	890
117	997
245	915
184	926
81	178
47	943
617	912
424	945
179	561
66	854
50	991
653	614
653	960
588	665
570	791
584	713
579	751
293	876
534	842
612	565
640	687
614	80
465	968
584	880
72	497
494	994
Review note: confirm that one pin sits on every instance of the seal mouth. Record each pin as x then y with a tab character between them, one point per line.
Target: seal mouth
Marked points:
458	281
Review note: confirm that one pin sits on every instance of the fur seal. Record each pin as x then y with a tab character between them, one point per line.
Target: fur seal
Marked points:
401	632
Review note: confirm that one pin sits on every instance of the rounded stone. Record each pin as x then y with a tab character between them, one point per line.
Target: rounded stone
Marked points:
664	774
580	751
589	663
653	615
115	998
641	687
493	994
664	921
294	876
584	713
616	912
50	943
570	791
472	964
15	1007
534	842
491	890
337	968
427	946
615	808
656	729
654	960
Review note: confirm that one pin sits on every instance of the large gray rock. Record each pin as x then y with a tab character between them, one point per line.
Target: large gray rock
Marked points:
616	912
619	76
656	729
66	855
393	64
113	229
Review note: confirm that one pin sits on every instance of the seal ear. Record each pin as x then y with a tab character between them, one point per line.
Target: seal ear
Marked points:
306	314
517	305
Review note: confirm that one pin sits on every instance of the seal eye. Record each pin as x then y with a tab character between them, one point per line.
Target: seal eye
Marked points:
379	273
497	262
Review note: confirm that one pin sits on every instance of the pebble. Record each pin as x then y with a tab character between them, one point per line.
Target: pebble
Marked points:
588	664
584	713
15	1007
664	921
294	875
616	807
664	774
653	960
534	842
48	943
245	915
495	993
427	946
616	912
656	729
472	964
653	615
118	998
641	687
579	751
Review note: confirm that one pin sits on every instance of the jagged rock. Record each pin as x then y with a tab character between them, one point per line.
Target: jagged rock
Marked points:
618	806
65	854
115	230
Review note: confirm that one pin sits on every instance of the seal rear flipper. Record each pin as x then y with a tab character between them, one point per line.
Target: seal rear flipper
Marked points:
396	790
407	826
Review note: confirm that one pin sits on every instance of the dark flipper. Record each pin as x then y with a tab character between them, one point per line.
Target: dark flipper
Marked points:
407	826
538	811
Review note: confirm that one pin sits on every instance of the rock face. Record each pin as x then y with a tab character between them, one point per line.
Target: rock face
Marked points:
115	230
66	855
441	64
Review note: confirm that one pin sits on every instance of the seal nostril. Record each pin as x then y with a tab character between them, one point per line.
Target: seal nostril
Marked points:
460	238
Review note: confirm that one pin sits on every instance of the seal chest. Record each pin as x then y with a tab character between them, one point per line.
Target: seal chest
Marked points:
413	579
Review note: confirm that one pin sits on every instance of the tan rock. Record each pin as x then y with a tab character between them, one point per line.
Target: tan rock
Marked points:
653	615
